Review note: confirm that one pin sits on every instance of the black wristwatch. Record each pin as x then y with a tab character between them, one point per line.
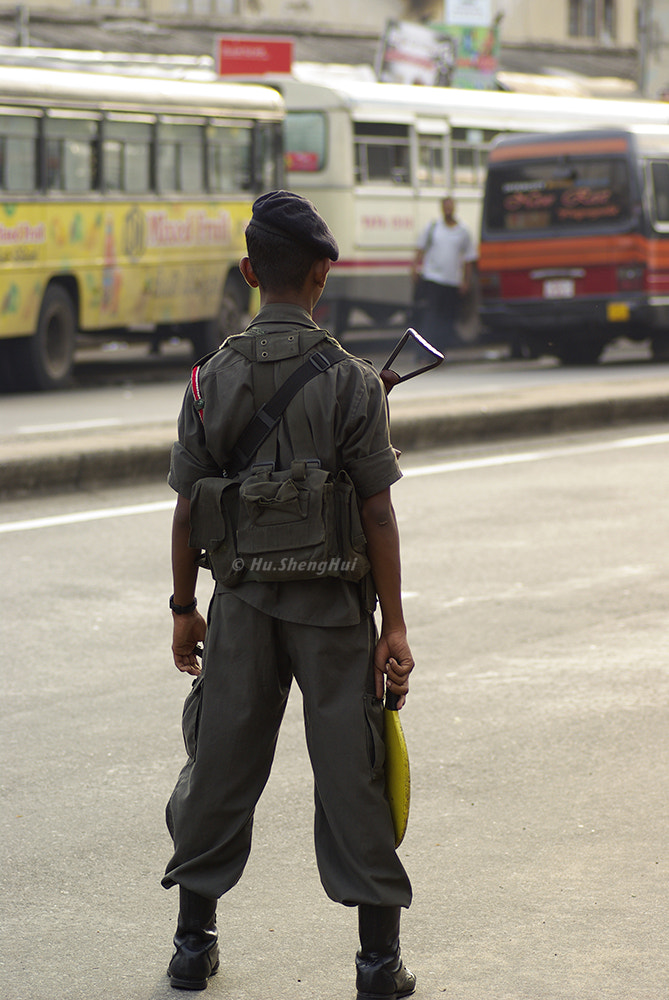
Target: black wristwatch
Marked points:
182	609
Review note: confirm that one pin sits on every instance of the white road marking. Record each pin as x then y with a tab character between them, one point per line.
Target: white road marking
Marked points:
535	456
422	470
77	425
86	515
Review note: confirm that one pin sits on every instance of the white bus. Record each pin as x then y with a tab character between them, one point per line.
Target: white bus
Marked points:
123	205
377	158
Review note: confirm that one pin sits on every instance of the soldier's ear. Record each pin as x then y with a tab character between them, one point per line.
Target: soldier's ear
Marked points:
248	272
320	272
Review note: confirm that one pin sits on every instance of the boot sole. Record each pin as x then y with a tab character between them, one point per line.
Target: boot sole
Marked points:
386	996
192	984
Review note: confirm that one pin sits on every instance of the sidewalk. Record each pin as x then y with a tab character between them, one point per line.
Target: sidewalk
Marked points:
65	462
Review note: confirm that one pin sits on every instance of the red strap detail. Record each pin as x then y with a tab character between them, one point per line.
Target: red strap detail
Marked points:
195	387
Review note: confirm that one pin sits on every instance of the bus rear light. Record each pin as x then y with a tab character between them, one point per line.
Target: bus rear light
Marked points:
631	277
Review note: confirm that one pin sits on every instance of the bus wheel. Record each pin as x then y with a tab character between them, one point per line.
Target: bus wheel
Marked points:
44	361
574	353
7	366
659	347
210	334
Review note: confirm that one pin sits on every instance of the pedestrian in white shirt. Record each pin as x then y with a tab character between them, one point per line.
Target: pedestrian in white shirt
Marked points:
442	272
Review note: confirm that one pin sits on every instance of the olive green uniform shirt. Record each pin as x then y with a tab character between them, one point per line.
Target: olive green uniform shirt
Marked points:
339	418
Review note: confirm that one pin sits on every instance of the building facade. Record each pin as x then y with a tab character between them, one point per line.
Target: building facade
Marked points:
569	22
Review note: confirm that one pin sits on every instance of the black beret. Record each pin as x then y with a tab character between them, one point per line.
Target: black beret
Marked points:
286	214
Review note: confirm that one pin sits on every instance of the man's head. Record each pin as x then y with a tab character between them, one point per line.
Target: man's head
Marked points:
285	238
448	208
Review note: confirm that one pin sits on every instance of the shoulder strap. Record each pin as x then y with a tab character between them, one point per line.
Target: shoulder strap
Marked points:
268	416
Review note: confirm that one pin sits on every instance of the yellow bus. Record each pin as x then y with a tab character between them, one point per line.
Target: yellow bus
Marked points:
123	204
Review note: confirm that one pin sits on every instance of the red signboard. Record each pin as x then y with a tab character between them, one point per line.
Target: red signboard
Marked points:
246	55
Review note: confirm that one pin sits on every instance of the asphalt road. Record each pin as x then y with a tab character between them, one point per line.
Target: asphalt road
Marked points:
537	587
125	387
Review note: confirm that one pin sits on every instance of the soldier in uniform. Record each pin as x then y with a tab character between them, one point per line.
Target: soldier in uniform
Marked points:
262	634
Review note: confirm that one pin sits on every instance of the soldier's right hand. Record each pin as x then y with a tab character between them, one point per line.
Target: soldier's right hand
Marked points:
188	631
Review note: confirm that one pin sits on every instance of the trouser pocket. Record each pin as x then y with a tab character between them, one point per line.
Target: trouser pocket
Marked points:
190	719
376	748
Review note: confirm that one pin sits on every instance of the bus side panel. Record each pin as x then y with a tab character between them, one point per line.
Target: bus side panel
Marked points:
135	264
188	250
23	242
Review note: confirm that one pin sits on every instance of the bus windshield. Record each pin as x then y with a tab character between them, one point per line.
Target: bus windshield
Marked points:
573	193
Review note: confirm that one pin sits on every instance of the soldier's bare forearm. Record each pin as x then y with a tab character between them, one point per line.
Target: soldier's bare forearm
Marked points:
383	551
184	567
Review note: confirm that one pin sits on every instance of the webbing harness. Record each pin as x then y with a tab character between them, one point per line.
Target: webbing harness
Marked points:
265	419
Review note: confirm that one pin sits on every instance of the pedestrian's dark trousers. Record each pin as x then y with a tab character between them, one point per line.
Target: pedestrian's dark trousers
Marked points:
440	308
231	724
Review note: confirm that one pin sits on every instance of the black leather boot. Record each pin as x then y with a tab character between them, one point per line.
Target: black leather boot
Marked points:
381	973
196	942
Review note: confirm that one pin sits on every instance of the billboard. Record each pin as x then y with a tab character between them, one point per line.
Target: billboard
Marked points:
439	55
242	55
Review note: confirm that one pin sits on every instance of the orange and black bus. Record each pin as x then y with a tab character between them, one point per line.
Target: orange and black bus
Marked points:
575	241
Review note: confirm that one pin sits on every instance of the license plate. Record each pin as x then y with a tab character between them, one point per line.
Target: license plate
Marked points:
559	288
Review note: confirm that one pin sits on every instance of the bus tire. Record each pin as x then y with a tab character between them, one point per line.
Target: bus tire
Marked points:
659	347
210	334
577	353
44	361
7	367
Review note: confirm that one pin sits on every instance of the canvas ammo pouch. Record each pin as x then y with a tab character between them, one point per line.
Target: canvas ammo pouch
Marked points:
214	506
298	524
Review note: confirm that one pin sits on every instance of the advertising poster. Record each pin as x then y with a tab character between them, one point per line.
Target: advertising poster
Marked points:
439	55
475	54
409	53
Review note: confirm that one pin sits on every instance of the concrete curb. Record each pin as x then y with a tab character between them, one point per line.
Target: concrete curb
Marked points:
494	420
141	454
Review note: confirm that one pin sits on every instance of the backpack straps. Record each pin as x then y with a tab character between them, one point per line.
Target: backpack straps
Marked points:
268	416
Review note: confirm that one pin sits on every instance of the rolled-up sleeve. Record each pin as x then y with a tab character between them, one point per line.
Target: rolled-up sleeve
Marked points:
368	456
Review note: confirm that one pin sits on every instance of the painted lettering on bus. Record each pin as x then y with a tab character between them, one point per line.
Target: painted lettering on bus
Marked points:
592	213
22	232
394	222
195	229
529	200
586	196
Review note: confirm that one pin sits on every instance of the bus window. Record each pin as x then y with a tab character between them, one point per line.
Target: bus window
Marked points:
304	141
180	158
470	155
127	155
229	157
431	165
381	153
69	144
570	194
267	148
18	153
660	193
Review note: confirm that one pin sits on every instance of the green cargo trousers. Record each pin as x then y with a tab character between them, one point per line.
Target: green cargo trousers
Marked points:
231	724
